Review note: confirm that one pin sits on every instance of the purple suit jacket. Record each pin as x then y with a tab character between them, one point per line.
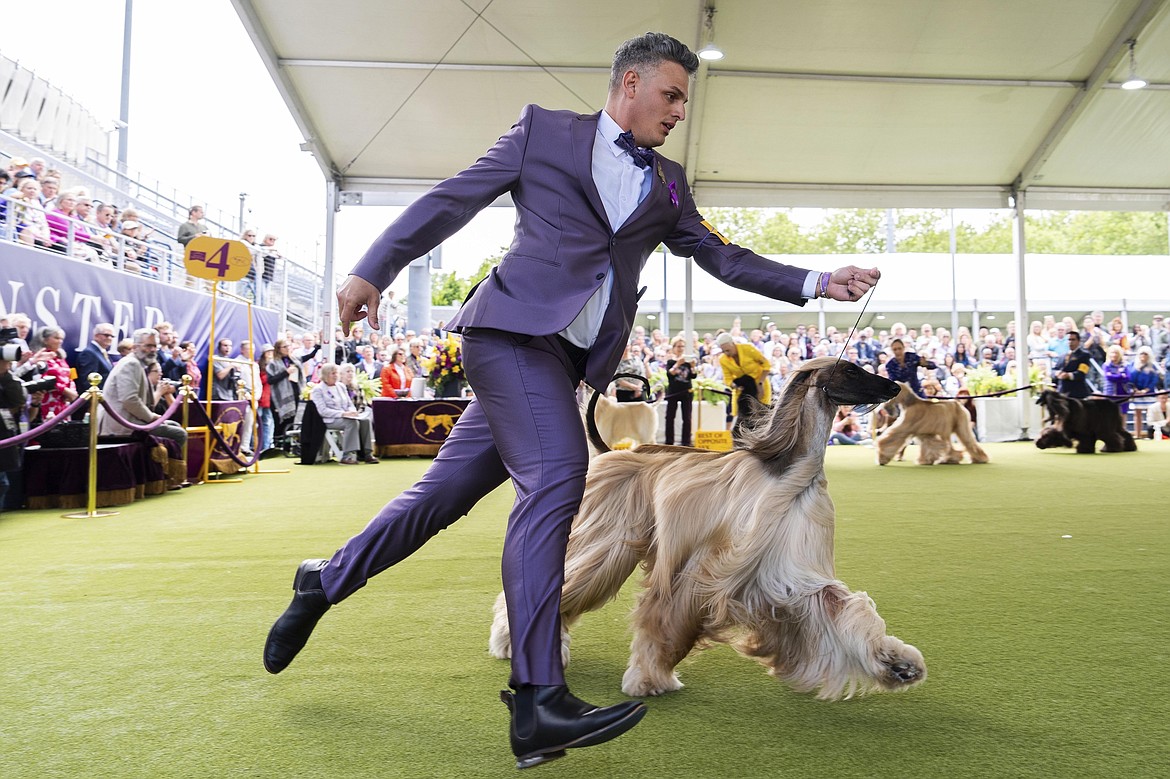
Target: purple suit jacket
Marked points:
563	242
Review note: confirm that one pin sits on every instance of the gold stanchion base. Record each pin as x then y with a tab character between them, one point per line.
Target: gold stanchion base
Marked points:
91	515
222	481
282	470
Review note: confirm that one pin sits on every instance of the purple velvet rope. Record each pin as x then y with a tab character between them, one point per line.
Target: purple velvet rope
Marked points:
223	442
44	427
170	412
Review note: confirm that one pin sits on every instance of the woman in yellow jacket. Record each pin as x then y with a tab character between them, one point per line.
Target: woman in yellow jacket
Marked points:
745	367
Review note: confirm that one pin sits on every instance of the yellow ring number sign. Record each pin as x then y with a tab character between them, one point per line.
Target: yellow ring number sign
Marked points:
217	259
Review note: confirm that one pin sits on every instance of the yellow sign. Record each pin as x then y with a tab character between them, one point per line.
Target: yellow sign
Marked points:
713	440
217	259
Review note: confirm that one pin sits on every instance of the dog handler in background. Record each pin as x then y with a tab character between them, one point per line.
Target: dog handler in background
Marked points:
592	202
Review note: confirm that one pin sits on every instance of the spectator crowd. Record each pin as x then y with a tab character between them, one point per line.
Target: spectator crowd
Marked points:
36	209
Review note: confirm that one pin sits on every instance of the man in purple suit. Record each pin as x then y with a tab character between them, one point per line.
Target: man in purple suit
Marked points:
592	202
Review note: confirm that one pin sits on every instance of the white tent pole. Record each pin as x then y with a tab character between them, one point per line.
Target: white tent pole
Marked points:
1019	245
328	287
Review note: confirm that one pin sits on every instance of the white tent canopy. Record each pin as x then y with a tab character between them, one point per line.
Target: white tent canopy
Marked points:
904	103
833	103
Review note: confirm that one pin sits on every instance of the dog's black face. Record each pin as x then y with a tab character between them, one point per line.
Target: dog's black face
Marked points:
845	384
1050	438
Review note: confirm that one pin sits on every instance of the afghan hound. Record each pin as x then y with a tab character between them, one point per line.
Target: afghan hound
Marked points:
933	422
737	548
1086	421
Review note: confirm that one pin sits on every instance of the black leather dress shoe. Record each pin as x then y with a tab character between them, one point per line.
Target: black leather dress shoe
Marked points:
547	720
293	628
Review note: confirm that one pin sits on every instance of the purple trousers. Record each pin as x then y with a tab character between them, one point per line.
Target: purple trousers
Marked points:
523	424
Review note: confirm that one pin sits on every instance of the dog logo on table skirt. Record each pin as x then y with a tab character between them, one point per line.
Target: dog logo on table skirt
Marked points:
735	547
434	421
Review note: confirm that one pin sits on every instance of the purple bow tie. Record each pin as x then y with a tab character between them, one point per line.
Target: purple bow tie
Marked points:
641	157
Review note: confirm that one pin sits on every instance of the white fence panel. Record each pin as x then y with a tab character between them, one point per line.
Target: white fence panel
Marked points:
12	109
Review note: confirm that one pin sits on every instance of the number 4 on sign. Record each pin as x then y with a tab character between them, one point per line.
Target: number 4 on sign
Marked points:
217	259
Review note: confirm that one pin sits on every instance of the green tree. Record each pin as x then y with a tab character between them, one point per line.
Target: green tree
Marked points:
760	231
1097	232
448	289
851	231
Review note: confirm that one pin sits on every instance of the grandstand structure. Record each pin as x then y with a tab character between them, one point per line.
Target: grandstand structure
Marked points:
37	119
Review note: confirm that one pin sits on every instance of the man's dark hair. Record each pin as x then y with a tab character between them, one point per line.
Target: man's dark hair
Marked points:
649	51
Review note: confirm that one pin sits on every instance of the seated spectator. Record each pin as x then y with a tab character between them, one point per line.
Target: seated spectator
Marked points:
1008	356
133	248
128	391
338	413
962	357
1158	419
29	216
162	391
61	220
95	358
83	210
50	187
347	377
184	363
368	363
1143	373
396	376
103	233
847	428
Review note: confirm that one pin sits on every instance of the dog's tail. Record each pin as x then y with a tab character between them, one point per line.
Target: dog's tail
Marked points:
591	413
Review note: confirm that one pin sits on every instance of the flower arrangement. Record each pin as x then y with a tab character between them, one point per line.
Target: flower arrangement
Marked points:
982	380
445	367
370	386
710	390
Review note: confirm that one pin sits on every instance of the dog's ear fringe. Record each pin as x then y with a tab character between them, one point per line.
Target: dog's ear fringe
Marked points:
773	436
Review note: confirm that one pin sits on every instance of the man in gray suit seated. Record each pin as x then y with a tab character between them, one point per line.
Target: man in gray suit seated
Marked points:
338	413
128	391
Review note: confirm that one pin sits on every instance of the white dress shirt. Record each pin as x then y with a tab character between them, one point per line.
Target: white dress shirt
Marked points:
622	186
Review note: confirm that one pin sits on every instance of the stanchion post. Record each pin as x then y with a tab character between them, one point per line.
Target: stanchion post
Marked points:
186	394
95	398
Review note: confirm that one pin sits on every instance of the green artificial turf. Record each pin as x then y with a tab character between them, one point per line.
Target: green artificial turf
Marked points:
1037	587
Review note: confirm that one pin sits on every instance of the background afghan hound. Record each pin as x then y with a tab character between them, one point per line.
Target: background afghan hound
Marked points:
1085	420
636	422
737	547
933	422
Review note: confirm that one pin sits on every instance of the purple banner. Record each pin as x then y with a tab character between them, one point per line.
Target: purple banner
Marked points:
55	290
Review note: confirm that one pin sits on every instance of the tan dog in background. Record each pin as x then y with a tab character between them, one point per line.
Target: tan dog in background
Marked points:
932	422
637	422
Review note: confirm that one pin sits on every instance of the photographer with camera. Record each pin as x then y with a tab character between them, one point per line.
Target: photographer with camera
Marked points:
48	362
223	383
12	401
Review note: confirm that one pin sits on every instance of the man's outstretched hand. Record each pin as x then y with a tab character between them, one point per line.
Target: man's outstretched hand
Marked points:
355	298
850	282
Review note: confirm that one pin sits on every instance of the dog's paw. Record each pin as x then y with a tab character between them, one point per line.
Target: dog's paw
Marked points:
636	684
903	667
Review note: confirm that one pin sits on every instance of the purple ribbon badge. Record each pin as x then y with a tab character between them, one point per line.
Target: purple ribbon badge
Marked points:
673	194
